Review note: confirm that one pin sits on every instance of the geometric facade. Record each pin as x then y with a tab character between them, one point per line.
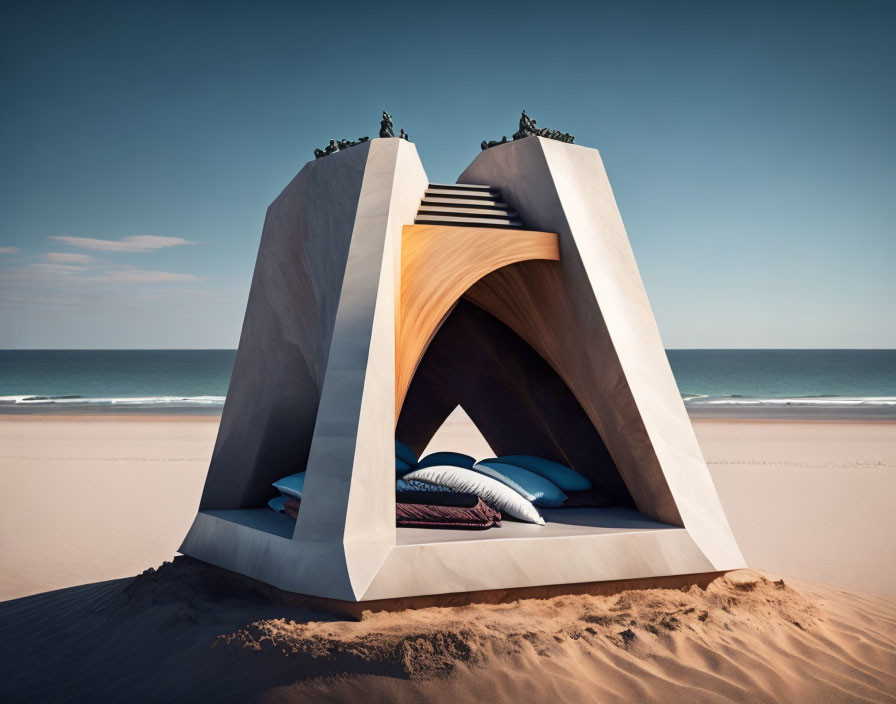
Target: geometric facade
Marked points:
360	322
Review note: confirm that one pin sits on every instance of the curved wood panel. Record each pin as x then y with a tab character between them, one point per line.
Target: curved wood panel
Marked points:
438	264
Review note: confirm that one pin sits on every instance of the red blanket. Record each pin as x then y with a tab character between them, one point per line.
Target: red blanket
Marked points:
426	516
479	516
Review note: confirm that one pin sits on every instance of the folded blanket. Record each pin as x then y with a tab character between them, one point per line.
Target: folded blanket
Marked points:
473	513
479	516
437	498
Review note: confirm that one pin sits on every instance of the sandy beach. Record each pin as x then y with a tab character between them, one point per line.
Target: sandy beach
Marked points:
88	502
86	499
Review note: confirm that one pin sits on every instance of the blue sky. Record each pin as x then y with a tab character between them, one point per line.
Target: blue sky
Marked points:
751	147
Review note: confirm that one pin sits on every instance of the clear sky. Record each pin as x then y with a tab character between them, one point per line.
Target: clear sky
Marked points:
751	147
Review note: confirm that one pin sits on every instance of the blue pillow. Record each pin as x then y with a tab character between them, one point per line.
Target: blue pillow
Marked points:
291	485
535	488
278	503
450	459
401	467
404	453
565	477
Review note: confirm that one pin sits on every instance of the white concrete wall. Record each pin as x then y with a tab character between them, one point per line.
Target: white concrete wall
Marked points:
349	501
564	188
271	407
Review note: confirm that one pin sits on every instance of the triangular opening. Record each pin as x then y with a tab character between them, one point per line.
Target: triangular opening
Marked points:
459	434
512	396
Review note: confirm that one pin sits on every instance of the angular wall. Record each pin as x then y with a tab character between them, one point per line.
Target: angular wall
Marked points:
314	380
590	319
271	405
349	497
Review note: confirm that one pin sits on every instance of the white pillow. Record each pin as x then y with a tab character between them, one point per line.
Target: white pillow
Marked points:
493	492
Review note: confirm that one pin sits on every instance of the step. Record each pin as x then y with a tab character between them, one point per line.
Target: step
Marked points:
470	222
465	202
463	187
447	193
467	212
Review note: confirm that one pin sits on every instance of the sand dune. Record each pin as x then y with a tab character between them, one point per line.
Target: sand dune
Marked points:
189	631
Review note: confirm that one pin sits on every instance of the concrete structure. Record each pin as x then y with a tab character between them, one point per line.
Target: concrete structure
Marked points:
530	314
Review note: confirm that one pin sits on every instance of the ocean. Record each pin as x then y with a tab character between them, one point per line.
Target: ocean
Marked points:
195	381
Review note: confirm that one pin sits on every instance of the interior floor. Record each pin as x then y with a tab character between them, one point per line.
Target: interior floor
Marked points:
263	519
559	522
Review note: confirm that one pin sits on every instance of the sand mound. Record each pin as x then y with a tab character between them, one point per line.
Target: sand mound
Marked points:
188	631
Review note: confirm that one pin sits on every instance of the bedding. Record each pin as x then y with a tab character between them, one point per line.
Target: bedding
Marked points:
436	498
278	503
564	477
291	485
479	516
451	459
535	488
291	507
404	484
405	454
401	467
493	492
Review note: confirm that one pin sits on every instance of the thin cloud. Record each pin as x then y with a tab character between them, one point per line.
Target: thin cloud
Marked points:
134	243
67	258
74	276
140	276
53	268
9	250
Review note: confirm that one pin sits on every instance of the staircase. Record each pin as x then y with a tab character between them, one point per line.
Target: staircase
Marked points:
465	205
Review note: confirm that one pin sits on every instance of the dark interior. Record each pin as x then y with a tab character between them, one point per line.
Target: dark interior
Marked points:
515	398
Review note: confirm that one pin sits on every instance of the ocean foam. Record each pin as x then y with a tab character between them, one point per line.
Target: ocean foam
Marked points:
812	401
35	399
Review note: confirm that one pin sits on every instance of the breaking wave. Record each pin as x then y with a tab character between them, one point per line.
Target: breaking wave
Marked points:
808	401
34	400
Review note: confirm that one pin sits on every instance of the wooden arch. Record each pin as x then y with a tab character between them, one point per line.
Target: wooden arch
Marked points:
438	264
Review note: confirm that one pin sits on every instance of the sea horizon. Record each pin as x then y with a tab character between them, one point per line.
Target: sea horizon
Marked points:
814	382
